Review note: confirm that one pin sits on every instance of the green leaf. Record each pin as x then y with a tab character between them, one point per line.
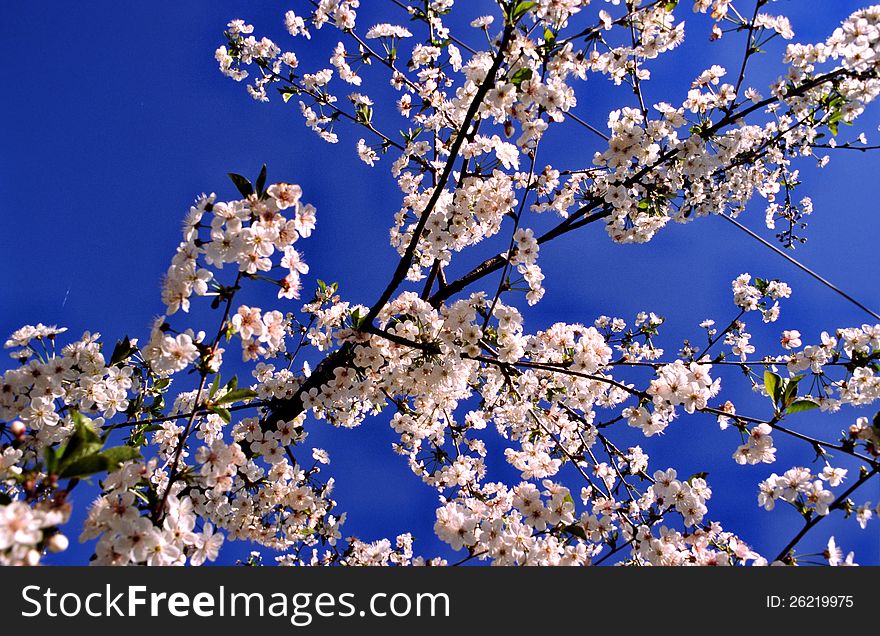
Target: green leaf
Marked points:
521	76
157	405
107	460
790	392
215	385
669	6
236	396
357	320
520	9
242	184
141	496
773	385
225	415
364	114
700	475
119	455
121	352
80	466
801	405
410	135
232	384
83	442
50	456
261	181
577	530
84	428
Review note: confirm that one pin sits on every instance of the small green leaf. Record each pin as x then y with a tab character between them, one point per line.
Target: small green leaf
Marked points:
261	181
237	395
232	384
225	415
520	9
700	475
521	76
790	392
801	405
83	442
157	405
357	320
875	423
50	456
140	495
242	184
773	385
577	530
121	352
215	385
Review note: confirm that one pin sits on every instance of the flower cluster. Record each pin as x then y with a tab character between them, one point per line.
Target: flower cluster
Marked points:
750	297
26	532
799	486
677	384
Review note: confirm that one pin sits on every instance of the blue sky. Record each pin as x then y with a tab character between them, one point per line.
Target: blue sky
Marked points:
115	117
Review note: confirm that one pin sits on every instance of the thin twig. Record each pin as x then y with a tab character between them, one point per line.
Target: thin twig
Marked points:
800	266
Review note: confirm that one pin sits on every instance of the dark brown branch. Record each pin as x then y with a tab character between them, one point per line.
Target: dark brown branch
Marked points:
406	260
785	553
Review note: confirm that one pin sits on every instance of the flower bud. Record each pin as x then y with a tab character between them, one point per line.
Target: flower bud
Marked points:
17	428
33	558
57	543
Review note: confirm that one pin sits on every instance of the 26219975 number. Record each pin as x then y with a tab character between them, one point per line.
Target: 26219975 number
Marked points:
811	601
